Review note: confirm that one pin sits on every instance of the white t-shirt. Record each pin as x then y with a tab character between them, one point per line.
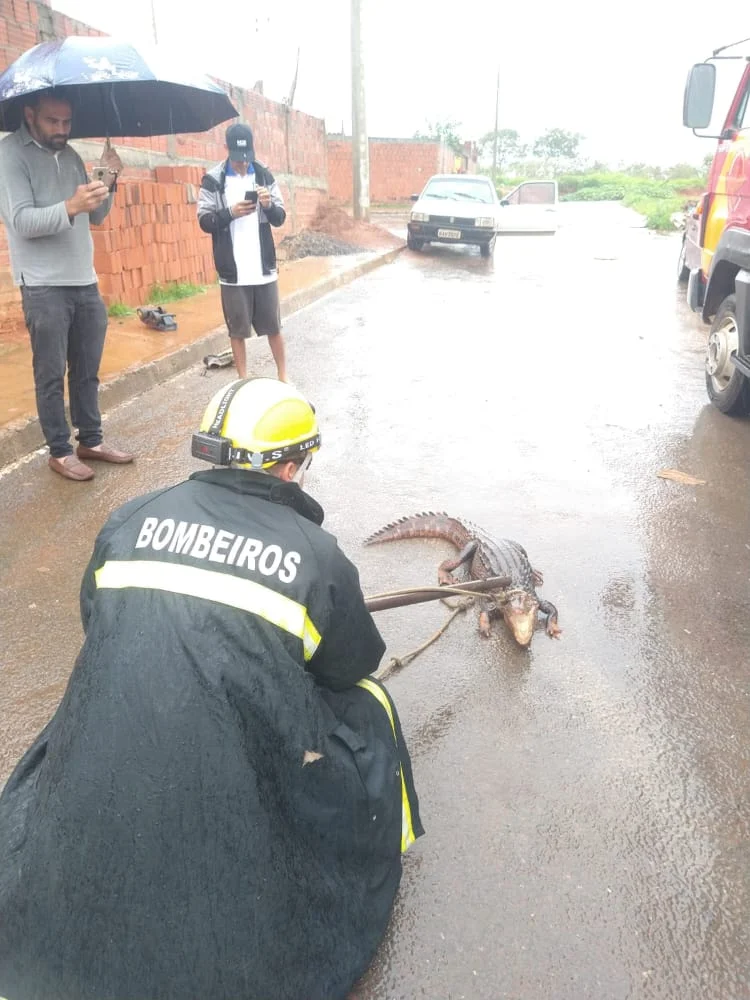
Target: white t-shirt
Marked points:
246	234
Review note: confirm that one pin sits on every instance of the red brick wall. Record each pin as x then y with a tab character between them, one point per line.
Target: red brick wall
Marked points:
287	140
340	184
152	236
398	167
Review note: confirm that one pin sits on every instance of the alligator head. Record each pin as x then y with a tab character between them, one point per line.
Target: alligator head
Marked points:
519	609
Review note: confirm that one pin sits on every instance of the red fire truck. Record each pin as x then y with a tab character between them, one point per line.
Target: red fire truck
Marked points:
716	253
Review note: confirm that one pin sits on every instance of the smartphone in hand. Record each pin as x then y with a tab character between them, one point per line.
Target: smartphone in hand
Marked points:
252	197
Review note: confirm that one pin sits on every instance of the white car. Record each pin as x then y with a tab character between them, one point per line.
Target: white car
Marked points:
529	208
455	208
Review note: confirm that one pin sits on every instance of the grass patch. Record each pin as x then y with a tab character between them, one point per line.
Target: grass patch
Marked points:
655	200
118	310
655	203
173	291
604	192
656	211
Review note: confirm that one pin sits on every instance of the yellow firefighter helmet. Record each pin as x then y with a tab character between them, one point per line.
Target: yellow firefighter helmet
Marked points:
255	423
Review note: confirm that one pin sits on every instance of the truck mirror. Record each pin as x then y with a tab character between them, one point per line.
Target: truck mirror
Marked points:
698	103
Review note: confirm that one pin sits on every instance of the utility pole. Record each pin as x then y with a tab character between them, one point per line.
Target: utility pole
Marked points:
494	141
171	139
290	99
360	143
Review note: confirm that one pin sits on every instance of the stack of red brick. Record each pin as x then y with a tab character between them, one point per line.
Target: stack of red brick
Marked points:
151	237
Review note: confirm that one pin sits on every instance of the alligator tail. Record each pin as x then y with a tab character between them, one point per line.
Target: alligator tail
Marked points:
427	524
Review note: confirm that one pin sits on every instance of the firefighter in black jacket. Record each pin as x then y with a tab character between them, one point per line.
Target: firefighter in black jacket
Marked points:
219	806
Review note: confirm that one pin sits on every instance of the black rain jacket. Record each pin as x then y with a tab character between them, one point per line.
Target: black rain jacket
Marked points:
216	809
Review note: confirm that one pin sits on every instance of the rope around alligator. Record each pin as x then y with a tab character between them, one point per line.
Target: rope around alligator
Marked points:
420	595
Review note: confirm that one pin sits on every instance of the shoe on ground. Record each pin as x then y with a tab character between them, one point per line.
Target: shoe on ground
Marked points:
105	454
70	467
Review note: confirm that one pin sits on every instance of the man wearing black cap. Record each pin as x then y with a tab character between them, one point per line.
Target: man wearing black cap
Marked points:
238	203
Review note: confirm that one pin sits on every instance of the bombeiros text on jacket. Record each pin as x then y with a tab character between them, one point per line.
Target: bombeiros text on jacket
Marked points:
204	541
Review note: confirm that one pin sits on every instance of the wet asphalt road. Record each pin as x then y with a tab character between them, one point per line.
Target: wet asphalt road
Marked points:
586	801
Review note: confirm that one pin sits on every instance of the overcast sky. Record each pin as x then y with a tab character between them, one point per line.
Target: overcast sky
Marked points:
613	73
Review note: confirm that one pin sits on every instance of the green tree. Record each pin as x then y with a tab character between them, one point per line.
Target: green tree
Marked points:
528	169
445	131
509	146
680	170
557	146
643	170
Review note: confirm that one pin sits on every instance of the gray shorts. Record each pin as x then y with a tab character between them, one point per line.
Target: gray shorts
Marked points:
247	306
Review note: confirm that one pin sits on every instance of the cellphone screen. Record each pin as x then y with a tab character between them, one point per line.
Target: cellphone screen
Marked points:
251	196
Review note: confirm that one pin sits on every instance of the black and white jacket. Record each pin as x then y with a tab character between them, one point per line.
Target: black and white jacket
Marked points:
214	217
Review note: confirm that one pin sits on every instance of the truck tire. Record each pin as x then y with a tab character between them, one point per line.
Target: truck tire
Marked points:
414	244
727	387
683	271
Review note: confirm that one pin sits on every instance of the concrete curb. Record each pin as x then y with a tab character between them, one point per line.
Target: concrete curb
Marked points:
22	436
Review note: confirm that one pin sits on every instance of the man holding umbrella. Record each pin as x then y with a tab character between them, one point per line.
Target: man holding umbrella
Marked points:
79	88
48	203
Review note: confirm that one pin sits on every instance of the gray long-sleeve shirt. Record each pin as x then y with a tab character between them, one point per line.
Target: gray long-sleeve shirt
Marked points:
46	246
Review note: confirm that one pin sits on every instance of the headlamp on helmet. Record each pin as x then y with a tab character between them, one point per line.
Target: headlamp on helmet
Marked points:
256	423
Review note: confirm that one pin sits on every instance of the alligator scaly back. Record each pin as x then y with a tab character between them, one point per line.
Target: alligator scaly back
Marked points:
428	524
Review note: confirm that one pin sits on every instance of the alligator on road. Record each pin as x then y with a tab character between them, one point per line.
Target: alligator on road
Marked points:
483	556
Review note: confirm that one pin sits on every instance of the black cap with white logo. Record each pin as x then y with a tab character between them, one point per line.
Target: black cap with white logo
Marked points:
239	139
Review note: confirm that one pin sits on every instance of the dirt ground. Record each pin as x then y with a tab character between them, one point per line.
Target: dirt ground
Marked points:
333	232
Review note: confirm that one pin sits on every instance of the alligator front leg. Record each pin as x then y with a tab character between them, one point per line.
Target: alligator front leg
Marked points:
552	628
448	566
485	629
489	611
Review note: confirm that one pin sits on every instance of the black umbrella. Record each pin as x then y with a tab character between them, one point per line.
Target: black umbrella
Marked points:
115	88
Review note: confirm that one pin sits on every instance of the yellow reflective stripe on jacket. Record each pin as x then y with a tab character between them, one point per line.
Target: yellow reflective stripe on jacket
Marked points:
222	588
407	830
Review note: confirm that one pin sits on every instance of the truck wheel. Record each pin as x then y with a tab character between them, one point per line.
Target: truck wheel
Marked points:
414	244
727	387
683	271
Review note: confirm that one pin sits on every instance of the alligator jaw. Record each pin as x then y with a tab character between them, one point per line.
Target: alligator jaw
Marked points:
519	612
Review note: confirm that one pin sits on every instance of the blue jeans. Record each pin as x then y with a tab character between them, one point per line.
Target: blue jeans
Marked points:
67	326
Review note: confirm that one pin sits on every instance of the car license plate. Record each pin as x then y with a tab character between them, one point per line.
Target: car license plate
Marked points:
449	234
